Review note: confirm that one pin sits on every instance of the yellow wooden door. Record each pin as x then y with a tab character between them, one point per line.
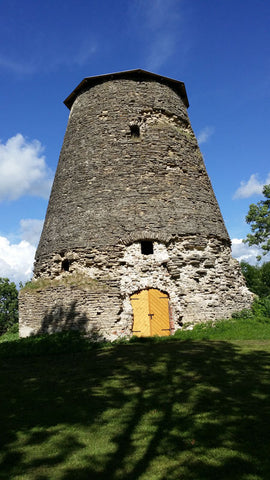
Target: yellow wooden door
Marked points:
141	324
151	313
159	311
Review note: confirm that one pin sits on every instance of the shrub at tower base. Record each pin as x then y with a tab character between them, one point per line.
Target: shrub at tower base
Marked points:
133	241
8	305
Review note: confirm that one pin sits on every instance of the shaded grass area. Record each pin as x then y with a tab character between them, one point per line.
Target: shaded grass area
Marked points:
66	342
249	328
151	410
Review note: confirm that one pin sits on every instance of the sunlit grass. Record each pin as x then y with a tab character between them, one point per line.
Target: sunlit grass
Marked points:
254	328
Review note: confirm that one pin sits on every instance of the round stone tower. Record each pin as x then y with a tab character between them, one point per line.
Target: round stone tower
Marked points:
133	232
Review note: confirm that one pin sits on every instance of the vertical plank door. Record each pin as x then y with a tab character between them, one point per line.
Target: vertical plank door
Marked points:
151	313
140	305
159	311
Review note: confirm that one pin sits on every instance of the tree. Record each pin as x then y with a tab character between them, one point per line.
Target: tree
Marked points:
8	304
265	277
257	278
259	218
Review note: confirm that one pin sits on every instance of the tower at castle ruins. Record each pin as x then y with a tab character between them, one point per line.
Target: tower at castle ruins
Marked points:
133	241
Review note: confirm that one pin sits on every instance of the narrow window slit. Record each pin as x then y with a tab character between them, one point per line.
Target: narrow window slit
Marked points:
65	265
147	247
134	130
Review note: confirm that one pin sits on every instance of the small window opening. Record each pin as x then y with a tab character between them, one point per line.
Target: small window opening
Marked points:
134	130
65	265
147	247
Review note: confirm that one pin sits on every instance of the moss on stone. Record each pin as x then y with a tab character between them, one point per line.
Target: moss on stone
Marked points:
77	279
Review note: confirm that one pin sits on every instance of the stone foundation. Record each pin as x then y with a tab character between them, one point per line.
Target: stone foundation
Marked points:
55	308
91	291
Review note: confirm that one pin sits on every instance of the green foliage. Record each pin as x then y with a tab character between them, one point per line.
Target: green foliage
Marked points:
265	276
261	307
257	278
245	313
259	312
259	219
8	304
11	334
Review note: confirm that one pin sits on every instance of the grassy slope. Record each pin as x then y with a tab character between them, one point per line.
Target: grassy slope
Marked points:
169	410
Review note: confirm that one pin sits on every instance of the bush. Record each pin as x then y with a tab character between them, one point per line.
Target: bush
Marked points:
8	305
261	307
257	278
246	313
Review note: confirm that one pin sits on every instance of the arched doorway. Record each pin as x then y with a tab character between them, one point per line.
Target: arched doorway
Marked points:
150	313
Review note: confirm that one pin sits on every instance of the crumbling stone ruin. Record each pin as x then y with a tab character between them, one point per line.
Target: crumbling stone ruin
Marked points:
133	241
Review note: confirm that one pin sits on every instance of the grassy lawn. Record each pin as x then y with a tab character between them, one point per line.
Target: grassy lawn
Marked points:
184	409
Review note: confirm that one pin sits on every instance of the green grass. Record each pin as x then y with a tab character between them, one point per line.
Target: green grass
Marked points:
78	279
250	328
253	328
152	409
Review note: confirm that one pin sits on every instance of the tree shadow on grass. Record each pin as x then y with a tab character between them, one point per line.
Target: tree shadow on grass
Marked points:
189	410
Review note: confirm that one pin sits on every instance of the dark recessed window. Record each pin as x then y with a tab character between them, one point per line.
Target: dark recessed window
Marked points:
147	247
65	265
134	131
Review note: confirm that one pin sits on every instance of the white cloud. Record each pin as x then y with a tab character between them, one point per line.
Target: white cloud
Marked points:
158	13
241	251
84	54
15	66
31	230
57	53
163	30
252	187
16	260
23	170
160	52
204	135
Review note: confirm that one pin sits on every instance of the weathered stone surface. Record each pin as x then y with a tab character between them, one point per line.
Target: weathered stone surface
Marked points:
130	169
65	307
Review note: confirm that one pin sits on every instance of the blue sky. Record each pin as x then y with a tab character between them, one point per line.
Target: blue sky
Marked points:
219	49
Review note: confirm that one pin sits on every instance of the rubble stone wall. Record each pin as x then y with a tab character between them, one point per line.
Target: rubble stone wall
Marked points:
201	278
58	307
111	186
130	169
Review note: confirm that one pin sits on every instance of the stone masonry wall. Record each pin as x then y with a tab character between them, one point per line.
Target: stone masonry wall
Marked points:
61	307
130	169
198	273
110	186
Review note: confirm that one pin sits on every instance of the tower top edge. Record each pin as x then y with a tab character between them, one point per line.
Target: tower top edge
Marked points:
137	74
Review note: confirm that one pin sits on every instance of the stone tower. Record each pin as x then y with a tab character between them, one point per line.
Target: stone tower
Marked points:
132	218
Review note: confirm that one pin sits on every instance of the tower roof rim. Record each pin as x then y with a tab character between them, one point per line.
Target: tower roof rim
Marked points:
178	86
